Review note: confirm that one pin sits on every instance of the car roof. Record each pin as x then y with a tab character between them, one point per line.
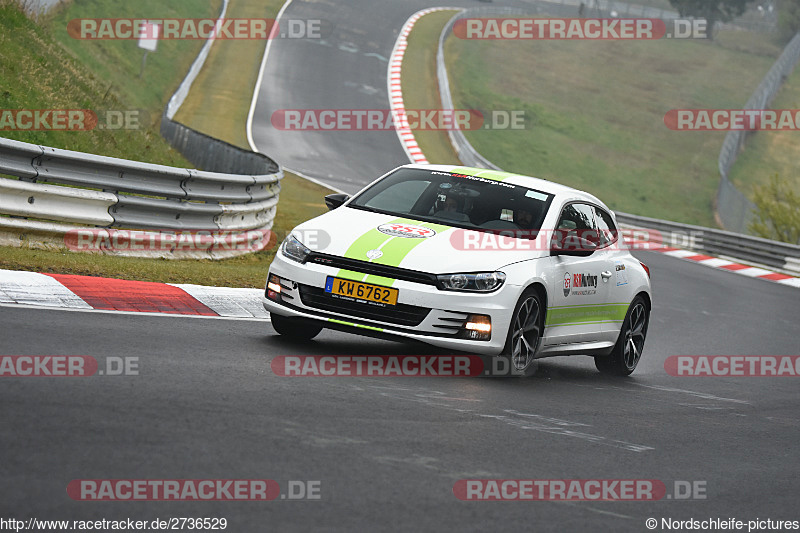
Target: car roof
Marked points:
562	192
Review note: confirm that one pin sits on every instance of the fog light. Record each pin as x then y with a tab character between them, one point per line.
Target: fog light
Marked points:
274	288
479	327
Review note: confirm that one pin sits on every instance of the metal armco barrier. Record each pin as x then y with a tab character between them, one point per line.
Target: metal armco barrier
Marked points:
777	255
117	193
236	194
774	254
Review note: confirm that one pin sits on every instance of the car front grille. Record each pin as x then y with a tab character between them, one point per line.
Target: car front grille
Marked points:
374	269
400	314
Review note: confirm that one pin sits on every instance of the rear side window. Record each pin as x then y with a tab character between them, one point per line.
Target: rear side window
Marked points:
605	224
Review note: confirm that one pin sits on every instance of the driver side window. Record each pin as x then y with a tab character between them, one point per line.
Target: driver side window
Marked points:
578	220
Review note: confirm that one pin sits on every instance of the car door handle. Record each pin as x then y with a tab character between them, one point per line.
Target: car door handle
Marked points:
606	274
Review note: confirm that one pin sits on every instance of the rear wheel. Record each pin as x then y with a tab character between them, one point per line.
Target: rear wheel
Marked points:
525	334
628	351
295	328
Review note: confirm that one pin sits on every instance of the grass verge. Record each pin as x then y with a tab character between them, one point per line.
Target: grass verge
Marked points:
594	113
37	71
768	153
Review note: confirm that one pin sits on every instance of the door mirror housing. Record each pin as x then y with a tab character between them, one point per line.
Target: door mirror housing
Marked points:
335	200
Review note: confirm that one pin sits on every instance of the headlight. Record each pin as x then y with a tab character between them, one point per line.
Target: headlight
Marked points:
480	282
294	249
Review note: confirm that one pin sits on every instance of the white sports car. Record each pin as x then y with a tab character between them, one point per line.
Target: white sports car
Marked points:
476	260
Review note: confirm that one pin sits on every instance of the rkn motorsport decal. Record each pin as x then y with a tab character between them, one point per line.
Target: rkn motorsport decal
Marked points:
579	284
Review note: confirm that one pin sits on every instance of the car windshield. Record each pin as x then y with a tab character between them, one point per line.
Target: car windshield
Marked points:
456	199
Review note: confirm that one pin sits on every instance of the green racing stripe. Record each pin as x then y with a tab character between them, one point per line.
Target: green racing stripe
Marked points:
575	315
335	321
394	249
495	175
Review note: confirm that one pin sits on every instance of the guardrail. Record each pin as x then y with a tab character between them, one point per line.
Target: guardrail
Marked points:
56	186
774	254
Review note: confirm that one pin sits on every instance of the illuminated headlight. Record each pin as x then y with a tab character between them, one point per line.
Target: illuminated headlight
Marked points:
480	282
294	249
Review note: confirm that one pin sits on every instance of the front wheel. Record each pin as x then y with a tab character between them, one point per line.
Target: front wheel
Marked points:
525	334
628	350
296	328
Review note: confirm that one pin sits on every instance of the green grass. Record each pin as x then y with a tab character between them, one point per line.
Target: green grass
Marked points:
594	113
420	85
36	72
117	63
220	97
771	152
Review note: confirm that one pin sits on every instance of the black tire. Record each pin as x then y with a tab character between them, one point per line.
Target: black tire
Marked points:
525	334
295	328
627	351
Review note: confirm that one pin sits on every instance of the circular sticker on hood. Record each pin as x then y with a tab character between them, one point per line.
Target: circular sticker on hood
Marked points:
408	231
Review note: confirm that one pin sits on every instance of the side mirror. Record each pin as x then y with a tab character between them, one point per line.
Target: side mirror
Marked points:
571	245
335	200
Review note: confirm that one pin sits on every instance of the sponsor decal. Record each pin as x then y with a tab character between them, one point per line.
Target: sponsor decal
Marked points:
374	254
580	284
407	231
622	276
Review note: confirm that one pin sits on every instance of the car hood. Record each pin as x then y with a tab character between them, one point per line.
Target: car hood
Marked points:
412	244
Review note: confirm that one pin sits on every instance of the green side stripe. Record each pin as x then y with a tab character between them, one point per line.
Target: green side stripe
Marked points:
586	314
495	175
355	325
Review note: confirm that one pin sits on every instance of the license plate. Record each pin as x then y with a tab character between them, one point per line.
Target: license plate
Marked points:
361	291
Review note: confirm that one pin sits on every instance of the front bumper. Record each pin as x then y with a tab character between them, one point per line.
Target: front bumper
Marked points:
423	312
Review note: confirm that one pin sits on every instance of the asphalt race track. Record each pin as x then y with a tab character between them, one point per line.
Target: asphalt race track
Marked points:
387	451
344	69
